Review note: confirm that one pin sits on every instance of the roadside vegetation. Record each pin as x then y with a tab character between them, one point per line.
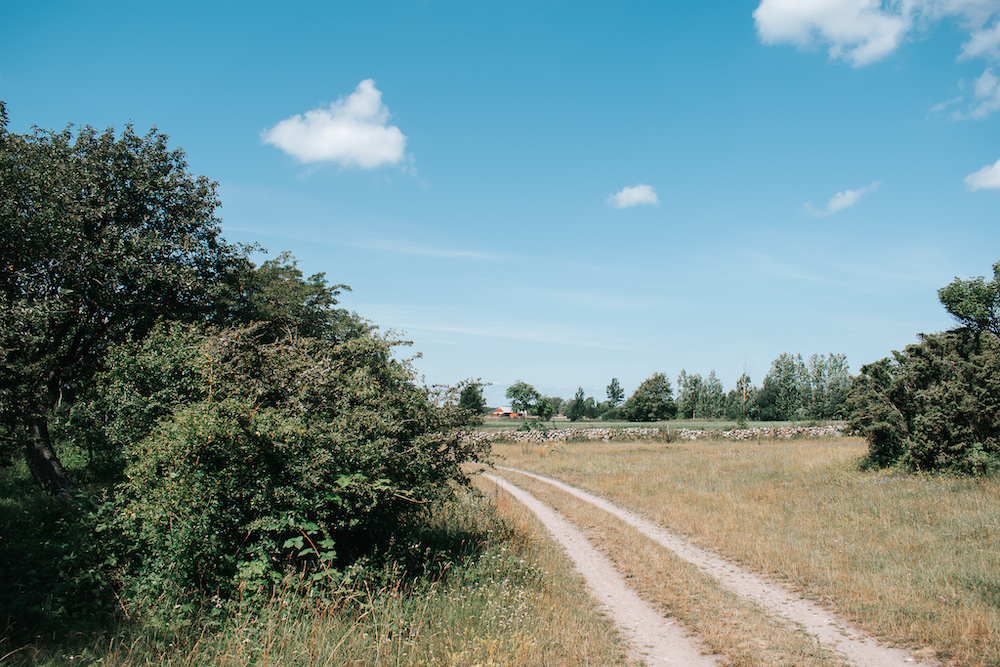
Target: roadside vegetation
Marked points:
473	583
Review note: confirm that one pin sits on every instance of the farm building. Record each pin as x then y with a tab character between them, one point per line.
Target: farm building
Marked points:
508	412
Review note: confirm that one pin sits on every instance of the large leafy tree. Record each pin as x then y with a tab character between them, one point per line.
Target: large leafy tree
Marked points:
523	397
653	400
975	303
101	234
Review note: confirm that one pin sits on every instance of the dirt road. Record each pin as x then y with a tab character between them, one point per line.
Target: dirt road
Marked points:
658	640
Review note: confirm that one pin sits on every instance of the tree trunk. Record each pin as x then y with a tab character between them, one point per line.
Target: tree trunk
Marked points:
43	462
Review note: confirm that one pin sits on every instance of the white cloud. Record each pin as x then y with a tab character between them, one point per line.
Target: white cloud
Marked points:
987	178
858	31
865	31
841	200
983	43
353	131
987	92
634	195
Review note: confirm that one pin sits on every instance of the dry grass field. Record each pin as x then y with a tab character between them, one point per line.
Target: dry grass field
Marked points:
913	559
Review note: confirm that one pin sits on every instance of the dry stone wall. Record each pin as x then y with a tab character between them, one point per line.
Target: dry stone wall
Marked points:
666	434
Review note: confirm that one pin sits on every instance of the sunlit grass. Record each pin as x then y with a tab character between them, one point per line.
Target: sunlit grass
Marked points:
513	601
913	559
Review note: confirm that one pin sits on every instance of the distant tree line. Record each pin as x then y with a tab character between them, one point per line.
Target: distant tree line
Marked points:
793	389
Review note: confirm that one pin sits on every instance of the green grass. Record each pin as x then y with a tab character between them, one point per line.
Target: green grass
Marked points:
476	585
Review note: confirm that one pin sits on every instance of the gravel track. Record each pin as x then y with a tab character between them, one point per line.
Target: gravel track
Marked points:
830	630
655	639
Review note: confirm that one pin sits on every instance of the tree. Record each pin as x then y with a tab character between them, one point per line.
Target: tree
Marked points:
653	400
711	403
933	406
689	388
615	393
102	235
974	303
471	399
785	391
829	380
544	408
936	404
741	401
577	407
523	397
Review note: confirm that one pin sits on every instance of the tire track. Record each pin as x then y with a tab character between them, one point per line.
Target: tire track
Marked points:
830	630
655	639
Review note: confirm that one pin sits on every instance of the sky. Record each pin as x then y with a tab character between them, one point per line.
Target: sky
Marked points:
565	192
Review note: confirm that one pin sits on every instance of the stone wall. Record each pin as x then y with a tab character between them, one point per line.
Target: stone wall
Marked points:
664	434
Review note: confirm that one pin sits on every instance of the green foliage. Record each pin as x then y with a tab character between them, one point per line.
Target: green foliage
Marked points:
296	455
471	399
794	390
102	235
700	398
523	397
975	303
577	408
544	408
934	406
615	393
653	400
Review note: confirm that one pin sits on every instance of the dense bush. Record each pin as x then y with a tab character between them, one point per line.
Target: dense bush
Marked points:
246	460
936	405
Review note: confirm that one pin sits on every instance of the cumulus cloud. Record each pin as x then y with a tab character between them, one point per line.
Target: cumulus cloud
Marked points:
353	131
864	31
858	31
841	200
861	32
987	178
634	195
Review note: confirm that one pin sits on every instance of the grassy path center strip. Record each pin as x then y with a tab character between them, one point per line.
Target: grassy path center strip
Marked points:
658	640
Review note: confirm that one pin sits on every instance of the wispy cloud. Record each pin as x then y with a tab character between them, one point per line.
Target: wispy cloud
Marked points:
840	201
634	195
404	247
354	131
987	96
987	178
514	331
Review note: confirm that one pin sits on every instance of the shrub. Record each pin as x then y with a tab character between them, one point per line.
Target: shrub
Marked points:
297	455
935	406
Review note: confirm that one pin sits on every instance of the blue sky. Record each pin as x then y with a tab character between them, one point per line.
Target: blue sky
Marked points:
565	192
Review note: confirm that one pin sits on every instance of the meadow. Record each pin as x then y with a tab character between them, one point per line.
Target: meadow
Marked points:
913	559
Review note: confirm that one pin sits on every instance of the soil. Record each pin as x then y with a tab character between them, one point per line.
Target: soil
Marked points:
661	641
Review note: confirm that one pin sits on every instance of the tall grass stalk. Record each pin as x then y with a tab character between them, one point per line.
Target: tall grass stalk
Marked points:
914	559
